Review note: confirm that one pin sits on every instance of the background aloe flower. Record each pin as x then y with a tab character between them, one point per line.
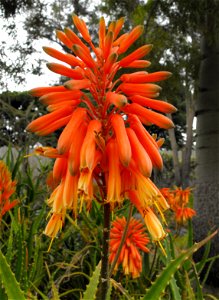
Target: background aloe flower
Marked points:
7	189
178	200
103	142
136	240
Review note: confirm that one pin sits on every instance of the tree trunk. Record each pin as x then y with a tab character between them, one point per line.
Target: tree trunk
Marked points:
174	147
187	150
207	147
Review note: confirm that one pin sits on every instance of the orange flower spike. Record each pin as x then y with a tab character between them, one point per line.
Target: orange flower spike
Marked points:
88	149
77	84
43	122
84	56
81	26
108	44
124	147
114	178
40	91
67	58
137	54
149	115
139	154
102	33
138	64
57	97
64	71
159	105
153	224
64	39
131	38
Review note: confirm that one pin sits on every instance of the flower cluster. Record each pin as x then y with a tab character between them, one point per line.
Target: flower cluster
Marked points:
178	200
7	189
136	239
104	151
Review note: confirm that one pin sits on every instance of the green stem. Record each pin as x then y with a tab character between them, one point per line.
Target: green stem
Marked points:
122	242
104	282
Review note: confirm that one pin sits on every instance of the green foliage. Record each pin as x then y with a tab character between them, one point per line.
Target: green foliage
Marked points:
9	281
91	289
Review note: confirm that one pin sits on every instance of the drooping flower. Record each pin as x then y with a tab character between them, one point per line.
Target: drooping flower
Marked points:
136	241
103	148
7	189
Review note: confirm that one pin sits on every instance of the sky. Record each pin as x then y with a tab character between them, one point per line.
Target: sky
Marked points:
48	77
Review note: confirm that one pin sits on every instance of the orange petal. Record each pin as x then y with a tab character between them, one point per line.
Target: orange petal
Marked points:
108	44
147	141
124	146
74	152
57	97
79	116
150	116
139	154
71	103
84	56
67	58
81	26
139	53
40	91
77	84
131	38
159	105
138	64
70	192
45	121
64	39
88	148
118	26
59	168
143	77
144	89
75	39
65	71
102	32
109	62
114	178
117	99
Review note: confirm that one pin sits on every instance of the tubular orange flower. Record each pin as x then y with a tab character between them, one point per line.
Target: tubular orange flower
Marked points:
136	239
7	189
103	143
